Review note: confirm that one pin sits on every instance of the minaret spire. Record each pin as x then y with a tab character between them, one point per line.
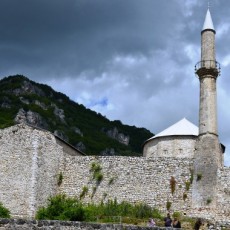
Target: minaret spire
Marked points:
208	24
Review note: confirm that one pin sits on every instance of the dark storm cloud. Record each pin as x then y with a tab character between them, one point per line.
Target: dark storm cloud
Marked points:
74	36
131	60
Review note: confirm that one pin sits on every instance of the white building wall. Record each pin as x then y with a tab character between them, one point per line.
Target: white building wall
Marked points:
170	146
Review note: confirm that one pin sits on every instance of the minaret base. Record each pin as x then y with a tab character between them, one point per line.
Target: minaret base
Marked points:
206	164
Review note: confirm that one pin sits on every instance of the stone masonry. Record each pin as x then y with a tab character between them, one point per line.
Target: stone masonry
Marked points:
8	224
32	159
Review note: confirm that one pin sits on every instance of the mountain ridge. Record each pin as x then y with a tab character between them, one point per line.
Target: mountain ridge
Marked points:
23	100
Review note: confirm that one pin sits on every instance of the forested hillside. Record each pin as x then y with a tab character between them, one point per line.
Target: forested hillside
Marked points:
23	100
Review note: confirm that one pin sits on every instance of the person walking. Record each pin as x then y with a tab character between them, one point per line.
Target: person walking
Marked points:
151	223
176	223
168	220
198	224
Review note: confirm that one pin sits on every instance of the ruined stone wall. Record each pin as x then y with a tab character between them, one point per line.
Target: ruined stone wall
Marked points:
28	170
132	179
223	195
171	146
15	171
24	224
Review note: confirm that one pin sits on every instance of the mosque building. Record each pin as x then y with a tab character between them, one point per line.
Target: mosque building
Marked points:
191	157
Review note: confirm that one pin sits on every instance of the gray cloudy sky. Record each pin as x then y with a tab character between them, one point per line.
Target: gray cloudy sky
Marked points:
130	60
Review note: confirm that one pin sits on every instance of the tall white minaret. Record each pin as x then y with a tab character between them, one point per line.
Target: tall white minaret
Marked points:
208	154
208	70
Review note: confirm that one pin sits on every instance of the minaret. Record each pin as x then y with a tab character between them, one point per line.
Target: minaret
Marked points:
208	153
208	71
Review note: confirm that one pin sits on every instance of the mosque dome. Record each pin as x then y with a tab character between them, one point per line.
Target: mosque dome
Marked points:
177	140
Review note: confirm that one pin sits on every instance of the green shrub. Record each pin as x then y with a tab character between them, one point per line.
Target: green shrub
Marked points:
61	208
112	208
143	210
84	192
4	212
177	215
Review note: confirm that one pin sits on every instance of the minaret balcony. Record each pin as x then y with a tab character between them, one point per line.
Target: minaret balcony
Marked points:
207	67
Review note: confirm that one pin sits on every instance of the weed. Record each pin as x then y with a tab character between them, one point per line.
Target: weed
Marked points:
172	184
191	176
84	192
93	192
199	176
187	185
98	177
168	205
60	179
209	201
176	215
96	170
111	180
185	196
4	212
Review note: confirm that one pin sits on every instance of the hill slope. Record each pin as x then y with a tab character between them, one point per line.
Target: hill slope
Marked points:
22	100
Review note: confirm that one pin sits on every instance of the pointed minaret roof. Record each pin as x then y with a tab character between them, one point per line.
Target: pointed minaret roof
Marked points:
181	128
208	24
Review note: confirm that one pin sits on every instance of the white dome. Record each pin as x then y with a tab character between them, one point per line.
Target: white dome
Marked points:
181	128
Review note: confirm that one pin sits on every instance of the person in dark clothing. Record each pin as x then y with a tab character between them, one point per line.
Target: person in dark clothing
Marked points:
197	224
168	221
176	223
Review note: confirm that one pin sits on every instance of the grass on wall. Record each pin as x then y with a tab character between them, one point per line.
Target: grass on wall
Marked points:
4	212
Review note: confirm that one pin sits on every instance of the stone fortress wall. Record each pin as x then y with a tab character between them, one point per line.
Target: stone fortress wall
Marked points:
33	159
132	179
29	166
223	193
